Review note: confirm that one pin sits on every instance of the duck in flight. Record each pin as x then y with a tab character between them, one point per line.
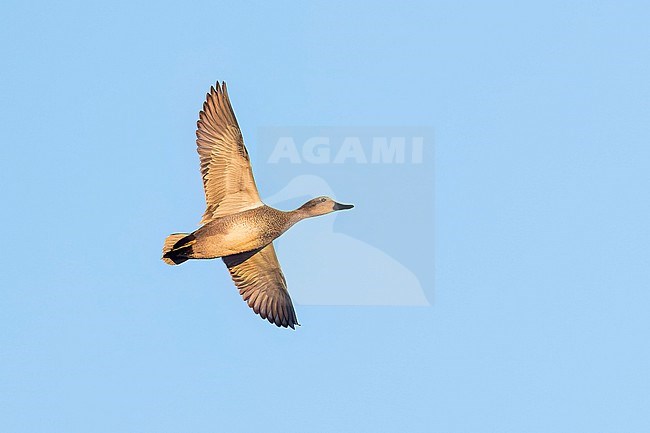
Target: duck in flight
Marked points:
236	225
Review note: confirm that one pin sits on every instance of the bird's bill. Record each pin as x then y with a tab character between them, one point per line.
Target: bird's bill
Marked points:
339	206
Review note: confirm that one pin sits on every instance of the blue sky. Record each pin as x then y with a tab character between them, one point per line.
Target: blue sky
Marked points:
534	256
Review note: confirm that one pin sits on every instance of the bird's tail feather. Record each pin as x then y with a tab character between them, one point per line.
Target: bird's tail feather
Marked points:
173	253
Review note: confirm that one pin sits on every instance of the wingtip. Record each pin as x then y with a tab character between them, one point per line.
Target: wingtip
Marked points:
219	88
293	325
282	323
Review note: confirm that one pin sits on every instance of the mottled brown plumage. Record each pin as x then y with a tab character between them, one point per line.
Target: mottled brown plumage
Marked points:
236	225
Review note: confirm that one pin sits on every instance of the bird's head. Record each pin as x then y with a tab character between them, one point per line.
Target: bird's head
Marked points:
321	206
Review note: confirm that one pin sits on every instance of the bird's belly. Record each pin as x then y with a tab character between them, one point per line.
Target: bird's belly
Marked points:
232	240
237	241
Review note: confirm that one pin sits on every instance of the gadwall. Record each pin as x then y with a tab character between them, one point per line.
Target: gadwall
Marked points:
236	225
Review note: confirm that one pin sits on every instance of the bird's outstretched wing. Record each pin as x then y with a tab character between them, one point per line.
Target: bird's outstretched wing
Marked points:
225	165
260	281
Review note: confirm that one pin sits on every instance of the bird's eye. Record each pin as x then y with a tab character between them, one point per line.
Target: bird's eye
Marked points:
322	199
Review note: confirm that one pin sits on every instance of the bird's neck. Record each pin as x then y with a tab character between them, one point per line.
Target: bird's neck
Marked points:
296	215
